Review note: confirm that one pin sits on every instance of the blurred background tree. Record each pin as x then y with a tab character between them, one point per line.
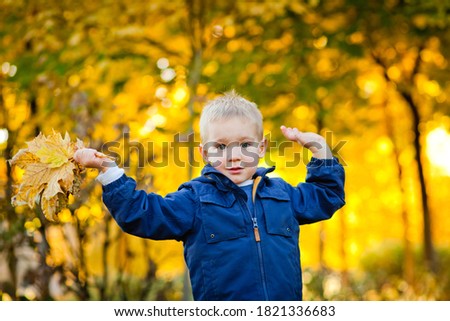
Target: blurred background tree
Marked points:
131	77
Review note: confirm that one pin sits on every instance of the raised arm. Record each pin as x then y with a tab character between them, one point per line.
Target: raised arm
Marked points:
322	194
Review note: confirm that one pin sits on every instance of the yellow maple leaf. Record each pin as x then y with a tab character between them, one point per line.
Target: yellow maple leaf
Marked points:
52	150
50	173
52	206
23	158
51	156
27	195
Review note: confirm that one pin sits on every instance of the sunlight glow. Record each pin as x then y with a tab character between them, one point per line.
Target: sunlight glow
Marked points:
162	63
8	69
168	74
3	135
159	120
147	128
161	92
370	87
438	150
384	146
5	67
180	95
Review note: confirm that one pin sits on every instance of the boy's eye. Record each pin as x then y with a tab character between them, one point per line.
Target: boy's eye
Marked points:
221	147
248	145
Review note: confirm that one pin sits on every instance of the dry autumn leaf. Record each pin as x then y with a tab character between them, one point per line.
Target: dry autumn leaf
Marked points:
50	173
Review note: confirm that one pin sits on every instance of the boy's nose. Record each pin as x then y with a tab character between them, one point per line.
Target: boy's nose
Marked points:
234	153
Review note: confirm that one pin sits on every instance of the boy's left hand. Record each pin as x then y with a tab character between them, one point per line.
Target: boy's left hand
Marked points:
314	142
92	158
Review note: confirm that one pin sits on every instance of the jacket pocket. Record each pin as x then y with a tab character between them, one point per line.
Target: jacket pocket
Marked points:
222	218
278	213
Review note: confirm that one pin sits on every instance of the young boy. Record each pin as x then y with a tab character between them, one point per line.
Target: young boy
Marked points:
239	227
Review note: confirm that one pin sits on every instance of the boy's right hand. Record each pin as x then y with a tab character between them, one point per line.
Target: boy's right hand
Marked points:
91	158
314	142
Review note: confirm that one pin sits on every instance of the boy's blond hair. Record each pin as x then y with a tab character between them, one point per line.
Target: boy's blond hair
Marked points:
227	106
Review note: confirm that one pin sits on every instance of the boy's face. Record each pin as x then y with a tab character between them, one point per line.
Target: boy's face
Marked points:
233	147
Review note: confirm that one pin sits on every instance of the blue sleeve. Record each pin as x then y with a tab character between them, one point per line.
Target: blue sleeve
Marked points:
150	215
322	193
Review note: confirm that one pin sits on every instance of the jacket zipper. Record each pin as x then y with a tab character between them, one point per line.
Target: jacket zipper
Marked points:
258	237
256	229
261	265
258	246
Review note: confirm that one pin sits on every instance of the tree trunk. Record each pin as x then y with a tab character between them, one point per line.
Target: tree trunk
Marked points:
430	257
44	272
11	220
429	254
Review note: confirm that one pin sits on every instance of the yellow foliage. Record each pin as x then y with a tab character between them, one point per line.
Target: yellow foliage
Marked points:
126	93
82	213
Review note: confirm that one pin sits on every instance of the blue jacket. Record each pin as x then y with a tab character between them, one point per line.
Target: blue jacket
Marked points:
233	254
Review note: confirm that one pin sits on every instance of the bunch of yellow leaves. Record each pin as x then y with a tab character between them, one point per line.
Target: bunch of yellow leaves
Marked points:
50	173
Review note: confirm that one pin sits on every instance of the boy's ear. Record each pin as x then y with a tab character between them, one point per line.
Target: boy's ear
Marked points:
262	148
203	152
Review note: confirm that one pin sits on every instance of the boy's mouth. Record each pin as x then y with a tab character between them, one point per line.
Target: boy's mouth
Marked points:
235	170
